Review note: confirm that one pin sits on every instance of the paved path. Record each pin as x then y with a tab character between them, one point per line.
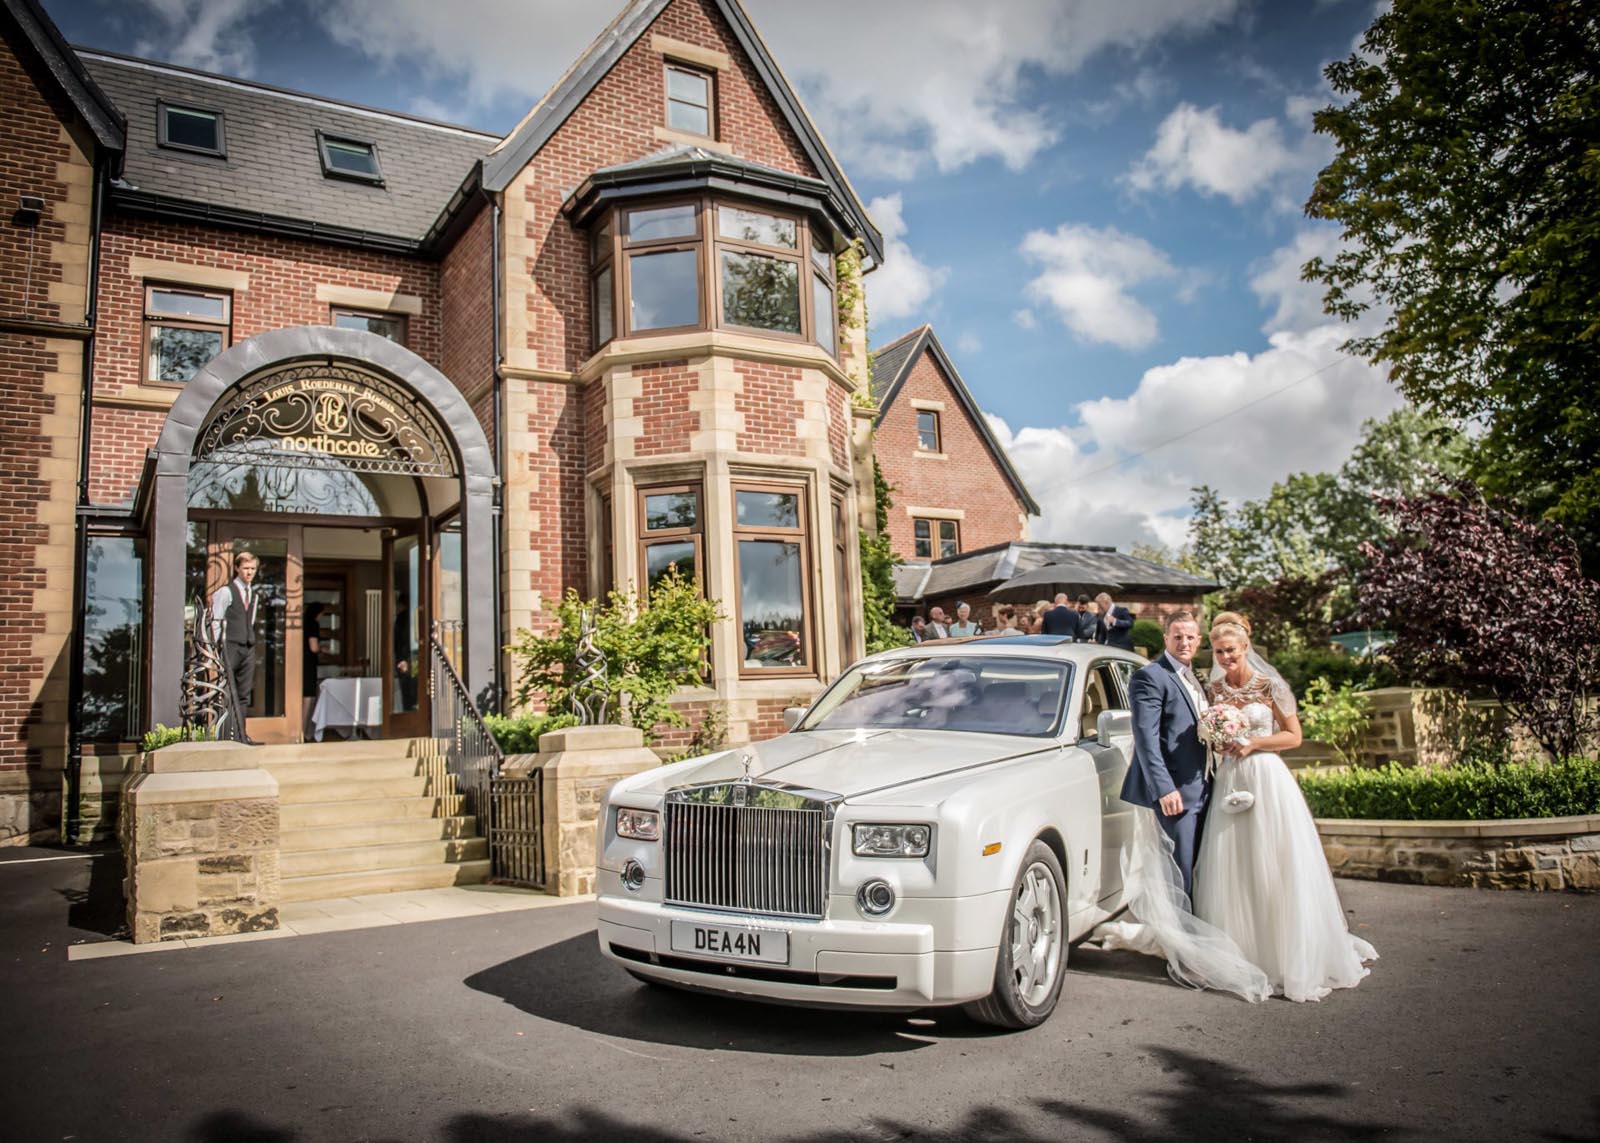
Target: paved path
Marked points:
1480	1023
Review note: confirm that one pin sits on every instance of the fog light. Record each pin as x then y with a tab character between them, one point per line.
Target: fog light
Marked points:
632	875
875	898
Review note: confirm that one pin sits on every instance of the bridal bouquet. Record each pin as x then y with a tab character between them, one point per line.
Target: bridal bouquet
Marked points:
1221	726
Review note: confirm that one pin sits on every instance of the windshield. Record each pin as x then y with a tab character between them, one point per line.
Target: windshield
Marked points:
988	694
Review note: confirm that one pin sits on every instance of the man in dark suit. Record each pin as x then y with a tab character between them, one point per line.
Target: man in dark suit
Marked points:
1115	628
233	625
1087	621
1060	619
1168	774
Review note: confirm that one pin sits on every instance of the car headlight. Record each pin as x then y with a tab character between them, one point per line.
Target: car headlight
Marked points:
868	839
638	825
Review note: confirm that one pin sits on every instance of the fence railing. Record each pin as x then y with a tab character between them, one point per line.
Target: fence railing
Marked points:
472	755
516	835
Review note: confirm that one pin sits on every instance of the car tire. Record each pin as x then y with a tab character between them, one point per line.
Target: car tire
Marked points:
1031	962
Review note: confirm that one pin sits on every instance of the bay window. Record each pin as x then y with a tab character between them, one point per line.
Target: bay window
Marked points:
770	549
671	534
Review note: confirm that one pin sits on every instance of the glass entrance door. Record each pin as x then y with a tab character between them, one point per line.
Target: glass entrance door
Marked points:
273	705
407	591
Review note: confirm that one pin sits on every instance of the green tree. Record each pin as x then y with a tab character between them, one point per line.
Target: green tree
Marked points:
1467	182
878	562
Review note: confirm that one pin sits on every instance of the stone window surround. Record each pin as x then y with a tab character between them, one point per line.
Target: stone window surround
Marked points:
709	75
151	320
936	539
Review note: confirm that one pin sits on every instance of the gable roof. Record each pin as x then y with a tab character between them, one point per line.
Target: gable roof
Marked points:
892	364
272	177
36	40
518	148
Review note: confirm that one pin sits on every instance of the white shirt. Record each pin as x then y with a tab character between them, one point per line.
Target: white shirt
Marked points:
222	599
1191	685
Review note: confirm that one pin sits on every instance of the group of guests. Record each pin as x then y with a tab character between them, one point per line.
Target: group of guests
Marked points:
1097	620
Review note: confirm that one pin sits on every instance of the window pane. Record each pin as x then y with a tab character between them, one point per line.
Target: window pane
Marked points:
768	509
178	303
923	548
920	528
822	312
113	639
666	289
604	307
181	353
691	87
351	158
663	222
760	292
821	256
756	226
948	548
392	328
928	432
665	510
947	529
200	129
600	241
686	117
771	603
659	559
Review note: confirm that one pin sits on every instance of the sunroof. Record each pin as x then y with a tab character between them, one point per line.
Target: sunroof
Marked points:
349	158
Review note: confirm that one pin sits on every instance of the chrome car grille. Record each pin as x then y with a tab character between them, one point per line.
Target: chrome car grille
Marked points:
765	859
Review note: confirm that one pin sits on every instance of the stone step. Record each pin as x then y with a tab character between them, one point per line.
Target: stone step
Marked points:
353	811
394	880
386	832
312	863
277	753
290	793
348	770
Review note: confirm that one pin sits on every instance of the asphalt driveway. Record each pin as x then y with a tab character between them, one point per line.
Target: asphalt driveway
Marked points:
1481	1021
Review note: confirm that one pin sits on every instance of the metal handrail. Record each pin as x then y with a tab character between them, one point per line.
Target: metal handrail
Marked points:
472	754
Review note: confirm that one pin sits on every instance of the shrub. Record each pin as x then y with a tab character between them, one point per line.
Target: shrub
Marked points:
1300	668
1146	633
1471	791
164	735
710	736
519	734
1335	715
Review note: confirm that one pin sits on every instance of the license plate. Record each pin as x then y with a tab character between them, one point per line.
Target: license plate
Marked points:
730	942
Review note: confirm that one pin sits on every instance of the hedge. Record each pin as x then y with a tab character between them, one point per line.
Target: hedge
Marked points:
520	735
1470	791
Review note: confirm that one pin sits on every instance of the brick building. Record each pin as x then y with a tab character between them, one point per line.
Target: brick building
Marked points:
432	377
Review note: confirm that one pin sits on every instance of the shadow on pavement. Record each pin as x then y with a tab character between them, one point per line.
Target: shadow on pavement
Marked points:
571	983
237	1127
99	907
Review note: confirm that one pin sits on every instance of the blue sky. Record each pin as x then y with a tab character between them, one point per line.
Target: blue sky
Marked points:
1096	203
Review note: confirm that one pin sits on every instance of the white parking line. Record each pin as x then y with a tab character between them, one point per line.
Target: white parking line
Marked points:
68	857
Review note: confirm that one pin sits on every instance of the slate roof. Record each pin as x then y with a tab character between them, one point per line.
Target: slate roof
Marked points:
273	166
514	152
39	43
892	364
983	568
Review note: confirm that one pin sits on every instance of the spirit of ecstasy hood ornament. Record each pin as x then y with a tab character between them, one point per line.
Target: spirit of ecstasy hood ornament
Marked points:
747	758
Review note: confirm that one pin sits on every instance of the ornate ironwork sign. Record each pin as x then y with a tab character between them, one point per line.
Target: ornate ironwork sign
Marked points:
309	416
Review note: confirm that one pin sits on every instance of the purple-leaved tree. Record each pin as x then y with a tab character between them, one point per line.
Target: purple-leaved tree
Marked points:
1484	601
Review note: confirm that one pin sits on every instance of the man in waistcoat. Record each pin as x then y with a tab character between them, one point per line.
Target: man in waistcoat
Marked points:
233	625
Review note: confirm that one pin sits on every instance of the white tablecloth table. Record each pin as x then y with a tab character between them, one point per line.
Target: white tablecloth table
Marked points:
353	704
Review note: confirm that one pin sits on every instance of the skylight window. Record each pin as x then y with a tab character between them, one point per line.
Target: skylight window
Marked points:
349	159
190	129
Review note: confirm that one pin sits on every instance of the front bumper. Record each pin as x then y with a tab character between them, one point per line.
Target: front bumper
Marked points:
913	960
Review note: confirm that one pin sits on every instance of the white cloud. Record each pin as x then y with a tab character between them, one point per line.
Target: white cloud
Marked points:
1025	319
904	283
1195	148
1297	304
1086	277
206	34
969	344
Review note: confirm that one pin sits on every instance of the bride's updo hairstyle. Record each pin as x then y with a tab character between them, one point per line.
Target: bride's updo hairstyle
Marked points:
1236	618
1228	627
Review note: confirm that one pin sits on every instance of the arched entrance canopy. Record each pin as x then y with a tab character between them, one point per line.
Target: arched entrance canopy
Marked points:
288	389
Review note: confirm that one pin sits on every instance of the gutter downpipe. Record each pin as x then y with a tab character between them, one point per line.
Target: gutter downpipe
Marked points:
496	435
71	806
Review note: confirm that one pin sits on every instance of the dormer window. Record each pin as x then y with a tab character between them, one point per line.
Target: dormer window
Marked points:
345	158
689	100
190	129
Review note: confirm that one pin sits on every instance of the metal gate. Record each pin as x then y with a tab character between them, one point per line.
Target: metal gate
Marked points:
516	830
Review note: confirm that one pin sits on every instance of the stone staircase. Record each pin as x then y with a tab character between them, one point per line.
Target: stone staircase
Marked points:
370	817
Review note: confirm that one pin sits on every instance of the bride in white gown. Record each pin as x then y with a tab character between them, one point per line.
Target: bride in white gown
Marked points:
1266	918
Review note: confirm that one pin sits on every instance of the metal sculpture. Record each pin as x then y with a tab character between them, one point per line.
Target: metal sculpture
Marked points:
205	679
589	695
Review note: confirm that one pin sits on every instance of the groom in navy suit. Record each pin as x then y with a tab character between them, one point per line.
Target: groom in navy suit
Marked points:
1169	761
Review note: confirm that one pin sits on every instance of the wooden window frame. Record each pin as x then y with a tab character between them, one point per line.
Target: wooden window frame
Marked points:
354	311
938	430
799	257
624	249
648	539
841	557
671	65
801	535
824	270
162	140
329	171
935	540
603	256
153	319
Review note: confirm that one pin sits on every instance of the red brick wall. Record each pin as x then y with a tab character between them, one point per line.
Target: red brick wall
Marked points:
766	398
595	396
30	147
839	424
969	478
663	404
555	418
466	308
616	124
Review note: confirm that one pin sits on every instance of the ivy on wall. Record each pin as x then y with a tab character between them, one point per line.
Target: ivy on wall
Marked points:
878	562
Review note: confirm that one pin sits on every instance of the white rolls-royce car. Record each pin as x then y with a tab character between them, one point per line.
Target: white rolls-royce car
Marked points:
935	829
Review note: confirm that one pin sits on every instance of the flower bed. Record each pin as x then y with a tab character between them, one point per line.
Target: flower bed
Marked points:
1466	792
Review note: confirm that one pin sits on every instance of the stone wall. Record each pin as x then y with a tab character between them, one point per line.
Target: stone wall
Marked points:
1530	853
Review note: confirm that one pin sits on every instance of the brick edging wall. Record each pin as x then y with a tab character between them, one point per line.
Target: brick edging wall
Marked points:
1533	853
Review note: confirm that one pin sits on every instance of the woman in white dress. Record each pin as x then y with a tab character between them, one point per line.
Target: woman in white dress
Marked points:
1261	877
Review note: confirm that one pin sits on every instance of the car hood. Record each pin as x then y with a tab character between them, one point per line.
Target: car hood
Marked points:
876	765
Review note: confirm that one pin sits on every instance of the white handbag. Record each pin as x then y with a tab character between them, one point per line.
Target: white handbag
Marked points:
1238	802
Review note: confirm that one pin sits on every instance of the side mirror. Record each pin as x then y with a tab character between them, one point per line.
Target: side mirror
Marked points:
792	716
1113	724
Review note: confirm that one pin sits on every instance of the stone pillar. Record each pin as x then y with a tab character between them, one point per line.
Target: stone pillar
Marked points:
199	829
579	765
